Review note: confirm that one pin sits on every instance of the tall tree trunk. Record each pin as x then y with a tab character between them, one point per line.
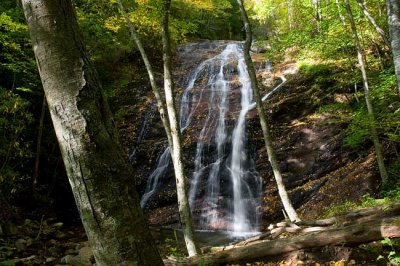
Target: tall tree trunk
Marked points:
181	188
97	168
393	14
361	62
156	90
380	31
38	145
263	119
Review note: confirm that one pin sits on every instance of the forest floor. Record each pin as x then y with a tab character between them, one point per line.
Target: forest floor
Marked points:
49	242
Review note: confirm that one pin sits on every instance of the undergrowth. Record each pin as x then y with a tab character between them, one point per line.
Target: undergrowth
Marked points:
389	196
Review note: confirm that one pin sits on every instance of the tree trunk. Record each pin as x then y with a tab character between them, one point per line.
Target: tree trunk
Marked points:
340	13
289	6
97	168
361	61
352	234
156	90
181	190
318	12
38	145
380	31
263	119
393	14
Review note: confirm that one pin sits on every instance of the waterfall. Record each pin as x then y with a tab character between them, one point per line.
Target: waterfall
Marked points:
241	219
153	180
143	128
225	188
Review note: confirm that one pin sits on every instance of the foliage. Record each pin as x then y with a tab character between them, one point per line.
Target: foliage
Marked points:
107	36
16	147
393	256
394	171
17	63
358	130
325	48
7	263
339	208
389	195
387	107
211	19
5	252
315	71
20	91
173	248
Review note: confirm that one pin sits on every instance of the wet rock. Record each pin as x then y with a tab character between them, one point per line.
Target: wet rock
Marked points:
66	259
50	259
75	261
86	254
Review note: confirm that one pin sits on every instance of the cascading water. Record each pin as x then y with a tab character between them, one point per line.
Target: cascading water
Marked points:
153	181
143	128
225	188
242	203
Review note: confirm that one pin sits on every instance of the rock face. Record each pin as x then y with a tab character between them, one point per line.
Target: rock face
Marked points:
315	166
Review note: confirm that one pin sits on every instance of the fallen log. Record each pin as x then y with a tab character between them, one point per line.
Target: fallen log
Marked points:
323	222
351	234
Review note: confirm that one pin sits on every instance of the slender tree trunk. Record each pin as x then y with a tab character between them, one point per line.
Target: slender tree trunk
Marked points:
289	6
380	31
97	168
340	13
181	188
361	62
263	119
317	9
156	90
318	15
39	145
393	14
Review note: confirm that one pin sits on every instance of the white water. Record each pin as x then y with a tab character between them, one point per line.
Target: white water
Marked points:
241	221
154	178
225	188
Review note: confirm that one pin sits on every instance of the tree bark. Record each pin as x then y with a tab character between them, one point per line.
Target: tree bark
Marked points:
351	234
156	90
393	14
263	119
176	149
380	31
373	131
97	168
